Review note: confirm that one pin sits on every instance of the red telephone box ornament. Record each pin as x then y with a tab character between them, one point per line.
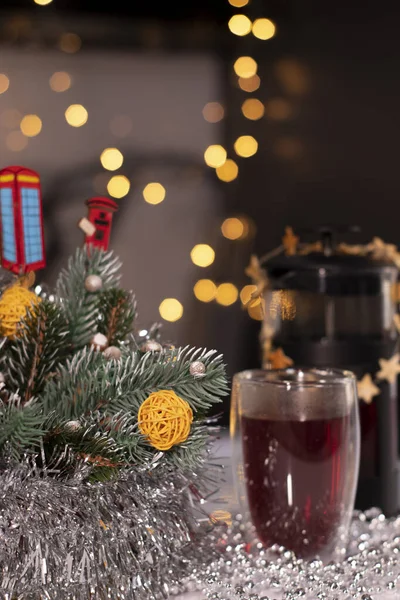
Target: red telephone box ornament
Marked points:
101	211
21	215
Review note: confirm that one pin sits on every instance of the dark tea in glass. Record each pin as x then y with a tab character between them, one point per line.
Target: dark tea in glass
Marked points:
296	452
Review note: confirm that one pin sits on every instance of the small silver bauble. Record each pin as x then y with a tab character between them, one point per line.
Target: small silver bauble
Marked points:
99	341
72	426
112	353
151	346
197	369
93	283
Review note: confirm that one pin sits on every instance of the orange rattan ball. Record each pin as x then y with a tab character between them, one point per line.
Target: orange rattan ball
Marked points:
165	419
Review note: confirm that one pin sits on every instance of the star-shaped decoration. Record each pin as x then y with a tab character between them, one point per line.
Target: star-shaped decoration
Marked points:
290	242
279	360
389	368
367	389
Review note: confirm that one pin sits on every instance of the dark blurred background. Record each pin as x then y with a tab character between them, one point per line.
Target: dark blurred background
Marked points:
159	82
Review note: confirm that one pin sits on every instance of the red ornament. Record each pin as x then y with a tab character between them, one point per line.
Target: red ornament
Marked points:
100	215
21	215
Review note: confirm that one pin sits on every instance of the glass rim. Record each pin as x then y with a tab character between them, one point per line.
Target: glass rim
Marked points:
296	377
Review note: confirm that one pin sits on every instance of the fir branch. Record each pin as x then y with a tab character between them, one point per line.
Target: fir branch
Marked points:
117	314
20	427
42	344
82	307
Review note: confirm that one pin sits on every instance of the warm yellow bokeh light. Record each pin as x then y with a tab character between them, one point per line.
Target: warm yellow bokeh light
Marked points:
118	186
227	294
228	171
16	141
202	255
232	228
238	3
246	293
4	83
253	109
171	309
43	2
246	146
154	193
245	67
249	84
278	109
111	159
256	312
76	115
213	112
60	81
215	156
70	43
263	29
31	125
239	25
205	290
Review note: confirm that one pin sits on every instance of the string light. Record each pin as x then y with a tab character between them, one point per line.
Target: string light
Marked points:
76	115
121	125
228	171
202	255
16	141
118	186
215	156
245	67
70	43
238	3
43	2
4	83
278	109
227	294
171	309
111	159
154	193
205	290
246	146
213	112
232	228
253	109
246	293
31	125
60	81
239	25
249	84
263	29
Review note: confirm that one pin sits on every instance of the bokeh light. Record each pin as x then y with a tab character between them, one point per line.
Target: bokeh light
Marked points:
256	312
202	255
249	84
205	290
111	159
232	228
171	309
253	109
43	2
263	29
76	115
70	43
213	112
294	76
118	186
245	67
246	146
16	141
246	293
31	125
278	109
239	25
227	294
238	3
10	118
154	193
228	171
60	81
4	83
121	125
215	156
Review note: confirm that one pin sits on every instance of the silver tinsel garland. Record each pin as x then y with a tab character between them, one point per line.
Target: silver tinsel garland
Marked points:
130	538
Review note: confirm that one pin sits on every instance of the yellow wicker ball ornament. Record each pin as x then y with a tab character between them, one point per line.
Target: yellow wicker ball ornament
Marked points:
165	419
14	303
